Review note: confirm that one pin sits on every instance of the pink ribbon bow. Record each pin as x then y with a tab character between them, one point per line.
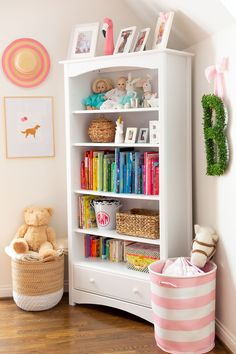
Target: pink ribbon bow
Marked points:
164	17
216	72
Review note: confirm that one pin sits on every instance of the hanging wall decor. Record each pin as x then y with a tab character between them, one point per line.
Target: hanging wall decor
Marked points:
215	140
29	126
215	121
26	62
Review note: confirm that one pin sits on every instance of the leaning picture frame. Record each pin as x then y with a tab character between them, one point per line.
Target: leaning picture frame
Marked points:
83	40
130	135
143	135
29	126
162	31
141	40
125	39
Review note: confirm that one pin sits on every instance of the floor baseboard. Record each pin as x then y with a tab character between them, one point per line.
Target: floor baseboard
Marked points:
225	336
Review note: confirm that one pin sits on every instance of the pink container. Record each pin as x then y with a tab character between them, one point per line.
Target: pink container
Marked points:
183	310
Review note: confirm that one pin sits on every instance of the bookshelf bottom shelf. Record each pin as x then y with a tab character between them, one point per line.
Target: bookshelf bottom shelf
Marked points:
111	283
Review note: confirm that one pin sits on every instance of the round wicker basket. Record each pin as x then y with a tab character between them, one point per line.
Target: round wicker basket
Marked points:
101	130
37	286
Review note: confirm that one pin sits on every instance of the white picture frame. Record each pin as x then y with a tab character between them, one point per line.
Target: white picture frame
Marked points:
83	40
141	39
154	132
162	31
143	135
130	135
29	126
124	40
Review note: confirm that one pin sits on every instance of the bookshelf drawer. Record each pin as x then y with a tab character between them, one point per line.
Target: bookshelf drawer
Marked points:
112	285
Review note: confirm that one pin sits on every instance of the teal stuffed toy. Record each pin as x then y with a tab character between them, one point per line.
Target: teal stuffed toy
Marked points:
99	88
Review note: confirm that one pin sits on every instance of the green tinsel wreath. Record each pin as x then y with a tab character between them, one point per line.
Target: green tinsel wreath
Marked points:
215	140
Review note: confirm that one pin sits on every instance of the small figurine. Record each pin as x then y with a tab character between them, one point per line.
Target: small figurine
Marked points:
119	137
99	88
113	96
124	102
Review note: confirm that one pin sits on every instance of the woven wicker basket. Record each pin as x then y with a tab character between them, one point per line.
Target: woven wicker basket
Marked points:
138	222
37	285
101	130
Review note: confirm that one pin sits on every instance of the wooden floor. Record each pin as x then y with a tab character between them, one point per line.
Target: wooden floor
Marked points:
76	329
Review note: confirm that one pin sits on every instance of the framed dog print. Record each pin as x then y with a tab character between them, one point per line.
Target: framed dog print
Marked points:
29	126
162	32
83	40
124	41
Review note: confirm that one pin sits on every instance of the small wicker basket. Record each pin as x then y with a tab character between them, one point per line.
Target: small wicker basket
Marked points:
138	222
101	130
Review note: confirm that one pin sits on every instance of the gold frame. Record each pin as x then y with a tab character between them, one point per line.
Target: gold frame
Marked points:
5	121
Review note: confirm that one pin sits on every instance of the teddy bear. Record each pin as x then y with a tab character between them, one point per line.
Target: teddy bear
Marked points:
35	235
204	245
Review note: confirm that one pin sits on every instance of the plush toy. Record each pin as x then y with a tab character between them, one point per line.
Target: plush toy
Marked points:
124	102
99	88
204	245
35	235
113	96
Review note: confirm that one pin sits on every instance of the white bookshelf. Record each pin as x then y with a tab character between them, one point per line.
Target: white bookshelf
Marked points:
103	282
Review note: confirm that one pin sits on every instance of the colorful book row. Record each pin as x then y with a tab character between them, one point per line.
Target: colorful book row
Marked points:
105	248
121	171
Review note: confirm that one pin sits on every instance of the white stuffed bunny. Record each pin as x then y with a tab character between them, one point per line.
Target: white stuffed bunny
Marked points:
204	245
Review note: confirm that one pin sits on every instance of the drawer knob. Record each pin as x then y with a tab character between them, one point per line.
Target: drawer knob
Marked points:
135	291
91	280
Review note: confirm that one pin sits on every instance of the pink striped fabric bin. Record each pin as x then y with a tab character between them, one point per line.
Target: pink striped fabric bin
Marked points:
183	310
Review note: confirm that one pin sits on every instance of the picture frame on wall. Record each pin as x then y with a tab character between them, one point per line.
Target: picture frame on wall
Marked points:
143	135
162	31
83	40
141	40
125	39
130	135
154	132
29	126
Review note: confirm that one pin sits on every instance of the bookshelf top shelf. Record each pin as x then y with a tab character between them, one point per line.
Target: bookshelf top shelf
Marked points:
115	235
117	195
130	110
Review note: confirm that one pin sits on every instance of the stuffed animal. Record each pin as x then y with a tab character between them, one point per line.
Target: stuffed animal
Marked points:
113	96
99	88
35	235
204	245
124	102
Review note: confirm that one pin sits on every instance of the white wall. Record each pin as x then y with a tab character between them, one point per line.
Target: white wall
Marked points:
42	181
214	197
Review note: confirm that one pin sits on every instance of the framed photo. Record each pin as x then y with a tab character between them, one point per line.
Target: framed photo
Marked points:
83	41
124	40
162	32
143	135
154	132
141	40
29	126
130	135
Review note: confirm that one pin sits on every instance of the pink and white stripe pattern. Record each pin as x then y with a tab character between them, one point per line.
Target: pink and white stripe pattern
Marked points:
183	310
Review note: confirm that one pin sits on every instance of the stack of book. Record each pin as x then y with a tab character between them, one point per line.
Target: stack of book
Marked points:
87	217
105	248
121	171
